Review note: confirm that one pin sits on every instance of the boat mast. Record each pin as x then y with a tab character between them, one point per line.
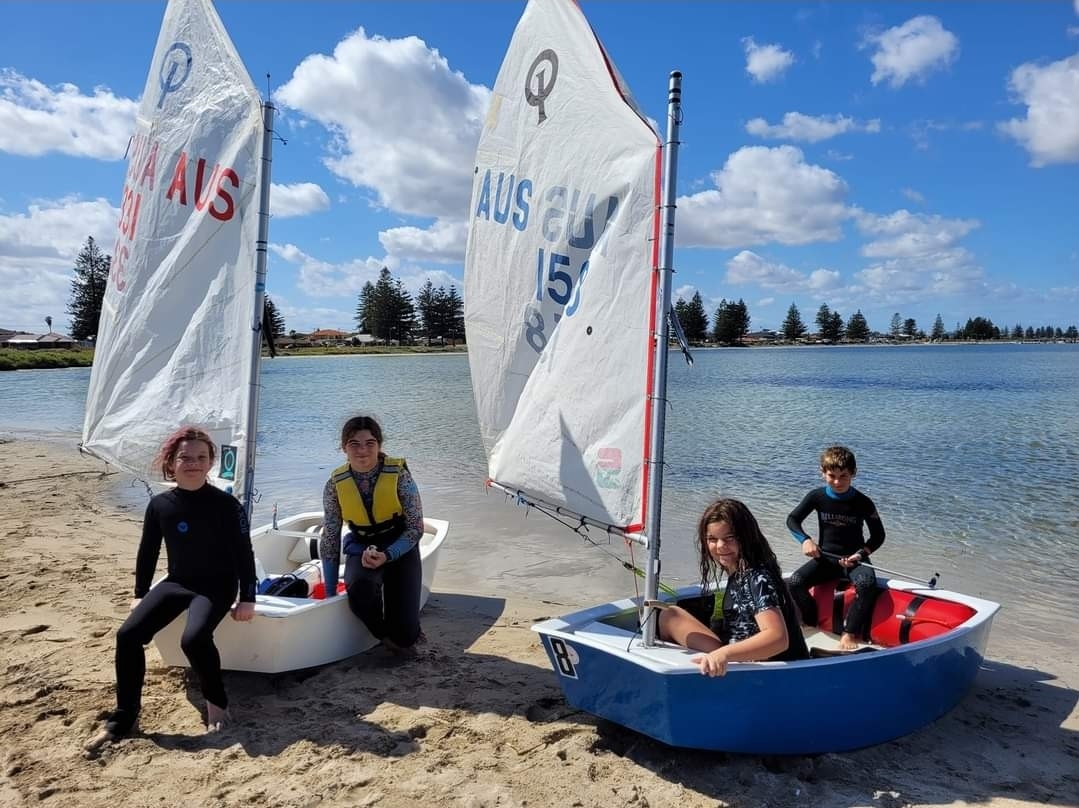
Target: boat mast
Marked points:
254	385
662	335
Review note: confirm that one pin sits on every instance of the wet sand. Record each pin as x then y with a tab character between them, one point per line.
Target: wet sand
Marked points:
476	720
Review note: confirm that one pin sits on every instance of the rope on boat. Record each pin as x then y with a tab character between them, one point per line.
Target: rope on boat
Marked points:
582	530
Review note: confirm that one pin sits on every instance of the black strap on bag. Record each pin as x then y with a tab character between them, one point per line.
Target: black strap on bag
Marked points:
287	586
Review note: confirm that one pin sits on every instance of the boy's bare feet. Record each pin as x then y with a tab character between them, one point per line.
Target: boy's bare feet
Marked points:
847	642
216	718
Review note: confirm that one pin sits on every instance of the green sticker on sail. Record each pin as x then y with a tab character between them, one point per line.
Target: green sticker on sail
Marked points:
228	463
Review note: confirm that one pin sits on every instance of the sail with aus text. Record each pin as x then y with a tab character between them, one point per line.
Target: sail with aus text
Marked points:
560	287
174	344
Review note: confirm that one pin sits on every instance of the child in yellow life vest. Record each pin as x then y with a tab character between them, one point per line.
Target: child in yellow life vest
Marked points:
377	498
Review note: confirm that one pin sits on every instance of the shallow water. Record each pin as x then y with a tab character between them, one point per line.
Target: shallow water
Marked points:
968	451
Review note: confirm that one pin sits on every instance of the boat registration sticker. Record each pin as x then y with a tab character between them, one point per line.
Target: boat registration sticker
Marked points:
228	463
565	657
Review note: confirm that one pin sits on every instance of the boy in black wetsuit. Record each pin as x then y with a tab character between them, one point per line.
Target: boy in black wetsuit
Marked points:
841	510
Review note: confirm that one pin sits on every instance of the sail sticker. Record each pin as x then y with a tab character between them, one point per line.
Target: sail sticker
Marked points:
609	467
178	58
565	657
228	463
547	60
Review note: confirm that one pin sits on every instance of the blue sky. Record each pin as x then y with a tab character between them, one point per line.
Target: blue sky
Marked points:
919	158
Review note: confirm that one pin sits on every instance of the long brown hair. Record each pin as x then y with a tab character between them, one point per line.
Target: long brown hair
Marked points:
166	455
753	547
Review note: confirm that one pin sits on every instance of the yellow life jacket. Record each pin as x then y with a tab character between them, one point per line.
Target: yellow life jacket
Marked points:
387	523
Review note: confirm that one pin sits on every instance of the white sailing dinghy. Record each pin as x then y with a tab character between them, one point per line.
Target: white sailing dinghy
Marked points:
567	292
181	322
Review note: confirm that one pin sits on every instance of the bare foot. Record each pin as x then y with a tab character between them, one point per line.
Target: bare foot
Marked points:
103	738
847	642
216	718
110	734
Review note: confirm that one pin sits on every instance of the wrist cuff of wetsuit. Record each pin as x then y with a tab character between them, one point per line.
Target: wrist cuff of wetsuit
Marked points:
864	553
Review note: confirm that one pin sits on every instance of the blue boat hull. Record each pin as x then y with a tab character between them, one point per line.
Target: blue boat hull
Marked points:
763	708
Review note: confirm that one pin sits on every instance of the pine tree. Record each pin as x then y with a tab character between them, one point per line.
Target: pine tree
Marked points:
454	318
824	320
910	327
428	305
367	295
403	314
731	322
272	316
897	325
857	327
88	290
694	319
793	327
938	329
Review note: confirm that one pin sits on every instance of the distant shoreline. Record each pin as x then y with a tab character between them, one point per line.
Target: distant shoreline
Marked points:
24	359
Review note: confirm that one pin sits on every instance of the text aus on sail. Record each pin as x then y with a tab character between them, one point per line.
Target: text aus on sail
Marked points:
209	190
568	223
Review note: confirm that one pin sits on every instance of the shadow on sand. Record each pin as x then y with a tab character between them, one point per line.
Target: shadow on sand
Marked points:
978	752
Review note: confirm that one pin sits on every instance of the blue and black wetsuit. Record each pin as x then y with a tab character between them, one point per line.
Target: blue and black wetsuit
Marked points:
840	521
208	544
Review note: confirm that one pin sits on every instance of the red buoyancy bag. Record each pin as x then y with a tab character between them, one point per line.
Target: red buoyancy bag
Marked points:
898	617
318	591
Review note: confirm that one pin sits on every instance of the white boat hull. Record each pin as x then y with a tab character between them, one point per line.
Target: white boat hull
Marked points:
294	633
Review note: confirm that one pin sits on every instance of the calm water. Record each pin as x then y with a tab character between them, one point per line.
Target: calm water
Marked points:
970	452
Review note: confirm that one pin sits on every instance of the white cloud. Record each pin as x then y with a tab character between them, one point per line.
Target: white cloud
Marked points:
812	129
442	242
325	279
319	278
763	195
685	292
921	130
403	123
766	301
919	257
912	51
766	62
297	199
37	253
36	119
911	235
913	196
749	267
1050	130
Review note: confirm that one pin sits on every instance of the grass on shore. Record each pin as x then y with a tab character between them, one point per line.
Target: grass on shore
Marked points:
24	359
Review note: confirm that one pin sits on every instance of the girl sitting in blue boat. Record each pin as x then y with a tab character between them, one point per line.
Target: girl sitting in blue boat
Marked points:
759	619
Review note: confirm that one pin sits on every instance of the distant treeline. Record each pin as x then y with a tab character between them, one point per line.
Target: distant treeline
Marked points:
730	325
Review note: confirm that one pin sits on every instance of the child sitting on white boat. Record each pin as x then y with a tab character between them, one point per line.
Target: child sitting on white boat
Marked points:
378	498
208	544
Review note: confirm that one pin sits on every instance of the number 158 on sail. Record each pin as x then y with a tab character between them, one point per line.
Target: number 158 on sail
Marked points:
555	280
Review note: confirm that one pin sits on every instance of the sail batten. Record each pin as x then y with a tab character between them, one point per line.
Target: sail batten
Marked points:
170	347
559	274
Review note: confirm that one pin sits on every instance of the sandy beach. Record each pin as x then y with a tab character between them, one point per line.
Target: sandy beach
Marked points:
476	720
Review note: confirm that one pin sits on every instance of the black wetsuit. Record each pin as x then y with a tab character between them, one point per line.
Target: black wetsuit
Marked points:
840	518
208	544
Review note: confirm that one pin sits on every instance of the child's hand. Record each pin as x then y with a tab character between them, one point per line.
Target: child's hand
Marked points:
372	558
243	611
810	548
850	561
712	664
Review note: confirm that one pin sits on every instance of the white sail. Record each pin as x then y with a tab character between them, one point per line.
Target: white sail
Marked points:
175	341
559	281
